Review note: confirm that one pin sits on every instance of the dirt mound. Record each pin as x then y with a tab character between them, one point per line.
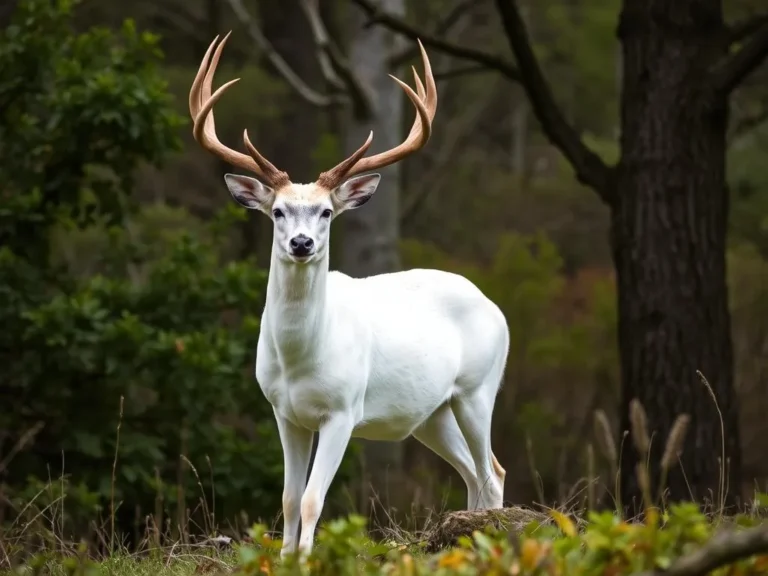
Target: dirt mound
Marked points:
453	525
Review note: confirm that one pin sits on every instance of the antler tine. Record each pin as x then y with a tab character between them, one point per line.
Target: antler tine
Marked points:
428	95
201	103
194	91
419	85
332	178
430	79
425	102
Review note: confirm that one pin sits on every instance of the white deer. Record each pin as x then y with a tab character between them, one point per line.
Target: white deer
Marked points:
418	353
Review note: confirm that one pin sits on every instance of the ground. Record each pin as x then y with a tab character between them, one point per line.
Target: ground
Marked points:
681	540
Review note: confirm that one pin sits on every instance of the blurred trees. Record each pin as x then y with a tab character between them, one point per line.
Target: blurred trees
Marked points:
163	279
668	201
79	113
128	331
371	235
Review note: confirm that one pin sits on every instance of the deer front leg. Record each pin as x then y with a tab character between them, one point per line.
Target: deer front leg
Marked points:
333	441
297	449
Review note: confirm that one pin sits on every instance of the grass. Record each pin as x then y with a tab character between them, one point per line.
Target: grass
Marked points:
674	540
680	541
127	565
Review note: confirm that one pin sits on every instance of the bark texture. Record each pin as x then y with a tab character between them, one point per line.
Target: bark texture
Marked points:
669	215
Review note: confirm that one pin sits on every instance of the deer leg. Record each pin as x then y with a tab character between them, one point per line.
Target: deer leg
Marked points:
297	448
441	434
333	439
473	414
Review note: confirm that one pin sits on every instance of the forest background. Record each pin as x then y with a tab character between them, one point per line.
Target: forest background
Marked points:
132	285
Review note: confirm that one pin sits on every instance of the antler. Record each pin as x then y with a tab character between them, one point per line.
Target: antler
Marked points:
425	102
201	104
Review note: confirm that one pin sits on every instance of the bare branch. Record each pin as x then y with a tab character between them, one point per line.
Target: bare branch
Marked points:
378	16
336	68
722	550
461	71
177	17
451	19
590	169
434	178
302	88
25	439
732	71
740	30
320	35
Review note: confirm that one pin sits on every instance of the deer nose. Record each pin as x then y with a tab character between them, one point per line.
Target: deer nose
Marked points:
301	245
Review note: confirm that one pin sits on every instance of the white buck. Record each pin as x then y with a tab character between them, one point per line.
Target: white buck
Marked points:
418	353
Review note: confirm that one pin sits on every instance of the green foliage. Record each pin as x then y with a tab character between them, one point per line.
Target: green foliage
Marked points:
748	178
602	545
78	113
606	545
128	336
179	352
585	70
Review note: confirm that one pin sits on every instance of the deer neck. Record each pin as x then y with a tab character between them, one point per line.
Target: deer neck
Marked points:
296	308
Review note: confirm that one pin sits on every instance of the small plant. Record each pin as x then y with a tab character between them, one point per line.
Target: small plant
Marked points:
675	541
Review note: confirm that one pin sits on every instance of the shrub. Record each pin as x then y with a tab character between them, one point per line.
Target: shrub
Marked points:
126	358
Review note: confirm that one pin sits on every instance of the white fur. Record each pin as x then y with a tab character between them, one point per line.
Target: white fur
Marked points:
417	353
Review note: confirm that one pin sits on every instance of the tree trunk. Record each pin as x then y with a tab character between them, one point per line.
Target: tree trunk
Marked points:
371	233
6	13
668	237
295	131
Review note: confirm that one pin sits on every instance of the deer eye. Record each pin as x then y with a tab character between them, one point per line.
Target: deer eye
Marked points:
277	213
327	213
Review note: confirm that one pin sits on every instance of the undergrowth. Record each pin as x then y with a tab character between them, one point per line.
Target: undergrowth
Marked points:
681	540
674	539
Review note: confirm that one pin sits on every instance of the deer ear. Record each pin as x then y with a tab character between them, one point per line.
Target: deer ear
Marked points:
356	191
249	192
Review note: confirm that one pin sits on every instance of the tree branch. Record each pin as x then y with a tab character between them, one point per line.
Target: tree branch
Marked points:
336	68
433	179
450	20
294	80
176	17
378	16
722	550
461	71
590	169
738	31
732	71
321	39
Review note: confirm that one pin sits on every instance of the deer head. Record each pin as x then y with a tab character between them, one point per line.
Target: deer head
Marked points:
302	213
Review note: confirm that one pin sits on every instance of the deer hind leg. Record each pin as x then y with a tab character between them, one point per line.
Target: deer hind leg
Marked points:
441	434
473	414
501	474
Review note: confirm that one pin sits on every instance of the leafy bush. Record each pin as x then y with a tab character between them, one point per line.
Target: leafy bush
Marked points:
178	350
682	541
127	344
606	545
78	113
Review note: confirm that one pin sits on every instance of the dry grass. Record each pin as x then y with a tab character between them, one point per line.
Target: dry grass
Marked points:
170	550
454	525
